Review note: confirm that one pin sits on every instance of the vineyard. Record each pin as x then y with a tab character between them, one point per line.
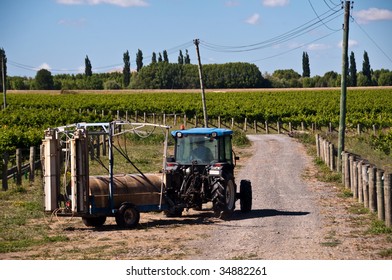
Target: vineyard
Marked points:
27	115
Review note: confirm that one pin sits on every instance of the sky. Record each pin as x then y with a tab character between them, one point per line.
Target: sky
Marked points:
273	34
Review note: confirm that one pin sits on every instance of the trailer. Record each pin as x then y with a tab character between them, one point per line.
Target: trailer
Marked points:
65	152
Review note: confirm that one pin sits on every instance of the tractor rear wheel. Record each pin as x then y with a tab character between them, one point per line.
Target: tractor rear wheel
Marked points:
127	216
223	197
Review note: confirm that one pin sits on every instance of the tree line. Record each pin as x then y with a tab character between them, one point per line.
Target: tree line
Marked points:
160	73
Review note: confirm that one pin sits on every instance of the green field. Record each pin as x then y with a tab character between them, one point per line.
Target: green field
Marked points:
28	114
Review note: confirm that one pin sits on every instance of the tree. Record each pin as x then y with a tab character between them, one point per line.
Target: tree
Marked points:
180	58
88	69
3	60
352	71
305	65
366	70
165	56
126	70
187	59
160	57
154	58
44	79
139	60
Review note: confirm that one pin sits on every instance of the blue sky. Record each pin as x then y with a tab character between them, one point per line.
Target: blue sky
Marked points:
58	34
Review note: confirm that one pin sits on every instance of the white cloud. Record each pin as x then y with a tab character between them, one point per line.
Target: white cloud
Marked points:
121	3
351	43
275	3
44	66
373	14
317	47
232	3
253	19
73	22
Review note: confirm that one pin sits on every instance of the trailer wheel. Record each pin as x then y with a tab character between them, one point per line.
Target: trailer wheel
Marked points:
94	221
127	216
245	196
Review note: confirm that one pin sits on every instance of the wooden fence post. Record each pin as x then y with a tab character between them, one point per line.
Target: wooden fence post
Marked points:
331	157
266	127
372	189
318	144
245	124
380	195
388	199
278	126
360	182
355	179
351	163
32	164
19	166
4	172
346	170
255	125
365	185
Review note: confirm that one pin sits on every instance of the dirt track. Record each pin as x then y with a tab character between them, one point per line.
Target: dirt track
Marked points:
294	216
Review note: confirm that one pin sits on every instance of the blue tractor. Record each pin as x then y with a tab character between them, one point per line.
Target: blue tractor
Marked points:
202	171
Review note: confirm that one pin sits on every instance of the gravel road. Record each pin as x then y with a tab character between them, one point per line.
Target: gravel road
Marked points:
284	221
294	216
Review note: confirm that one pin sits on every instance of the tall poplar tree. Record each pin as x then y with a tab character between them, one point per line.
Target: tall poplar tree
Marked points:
88	68
187	59
305	65
126	69
353	71
3	61
165	56
366	70
180	58
154	58
139	60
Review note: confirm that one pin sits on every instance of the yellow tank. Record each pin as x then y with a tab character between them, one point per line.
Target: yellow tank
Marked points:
133	188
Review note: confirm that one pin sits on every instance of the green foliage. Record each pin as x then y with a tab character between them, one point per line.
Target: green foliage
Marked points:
88	68
44	80
126	69
353	71
139	60
305	65
366	70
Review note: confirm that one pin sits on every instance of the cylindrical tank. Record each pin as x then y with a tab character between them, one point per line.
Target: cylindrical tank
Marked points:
133	188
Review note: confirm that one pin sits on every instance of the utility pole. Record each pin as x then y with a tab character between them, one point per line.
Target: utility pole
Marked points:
343	94
3	79
203	98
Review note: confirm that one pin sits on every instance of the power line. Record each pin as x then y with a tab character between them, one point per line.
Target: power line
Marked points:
311	5
371	39
301	46
287	36
35	68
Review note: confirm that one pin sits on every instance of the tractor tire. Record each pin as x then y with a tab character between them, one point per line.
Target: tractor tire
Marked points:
94	221
223	198
127	216
245	196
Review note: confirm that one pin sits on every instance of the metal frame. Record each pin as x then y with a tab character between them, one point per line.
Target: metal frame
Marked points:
75	133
